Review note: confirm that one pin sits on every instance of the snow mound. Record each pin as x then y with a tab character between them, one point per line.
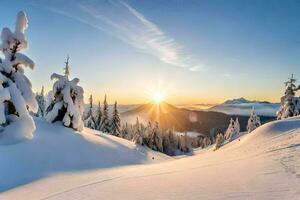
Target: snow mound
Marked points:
56	149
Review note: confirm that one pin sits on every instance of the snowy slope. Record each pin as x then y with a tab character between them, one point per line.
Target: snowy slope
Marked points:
261	165
243	107
56	149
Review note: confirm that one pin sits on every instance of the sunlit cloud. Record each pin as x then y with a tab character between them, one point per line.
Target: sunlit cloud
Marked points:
121	20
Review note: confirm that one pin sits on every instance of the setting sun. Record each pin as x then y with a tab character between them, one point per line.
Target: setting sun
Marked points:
158	97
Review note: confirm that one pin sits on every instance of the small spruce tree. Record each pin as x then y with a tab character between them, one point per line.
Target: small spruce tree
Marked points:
89	120
40	98
125	131
115	121
253	121
137	137
105	120
98	117
290	105
230	130
219	141
237	127
155	140
67	103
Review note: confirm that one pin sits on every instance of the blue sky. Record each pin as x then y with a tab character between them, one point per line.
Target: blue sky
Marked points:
191	51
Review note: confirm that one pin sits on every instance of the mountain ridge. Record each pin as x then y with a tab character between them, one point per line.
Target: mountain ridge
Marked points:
183	119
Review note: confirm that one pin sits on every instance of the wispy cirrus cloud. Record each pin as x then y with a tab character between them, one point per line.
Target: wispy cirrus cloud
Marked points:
129	25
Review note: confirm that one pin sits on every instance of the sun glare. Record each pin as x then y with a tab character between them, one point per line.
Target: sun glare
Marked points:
158	97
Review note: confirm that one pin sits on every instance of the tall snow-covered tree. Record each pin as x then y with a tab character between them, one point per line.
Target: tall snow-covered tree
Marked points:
67	102
40	98
253	121
115	124
105	119
16	95
89	120
290	105
98	116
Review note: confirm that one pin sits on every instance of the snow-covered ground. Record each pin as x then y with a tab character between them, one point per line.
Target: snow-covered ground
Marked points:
56	149
264	164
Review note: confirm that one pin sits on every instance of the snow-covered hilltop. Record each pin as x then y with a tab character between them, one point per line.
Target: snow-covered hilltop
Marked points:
261	165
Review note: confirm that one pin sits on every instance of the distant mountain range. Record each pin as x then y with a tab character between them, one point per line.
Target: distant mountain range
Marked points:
182	119
242	106
243	100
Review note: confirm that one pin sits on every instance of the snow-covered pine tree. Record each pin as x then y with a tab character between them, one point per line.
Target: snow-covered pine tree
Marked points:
89	120
290	105
206	142
130	132
253	121
155	140
125	131
16	96
166	143
199	141
170	143
105	120
175	140
138	136
185	143
219	141
230	130
147	134
115	121
194	142
237	126
98	117
67	103
40	98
